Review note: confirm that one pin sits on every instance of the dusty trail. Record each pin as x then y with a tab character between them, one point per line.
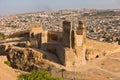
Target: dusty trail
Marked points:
6	72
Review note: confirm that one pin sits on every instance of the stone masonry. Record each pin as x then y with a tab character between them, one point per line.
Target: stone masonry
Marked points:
68	46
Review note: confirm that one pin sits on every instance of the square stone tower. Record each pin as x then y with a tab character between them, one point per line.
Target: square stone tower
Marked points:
35	35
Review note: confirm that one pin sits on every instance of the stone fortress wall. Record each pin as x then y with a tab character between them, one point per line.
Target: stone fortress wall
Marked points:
63	50
68	46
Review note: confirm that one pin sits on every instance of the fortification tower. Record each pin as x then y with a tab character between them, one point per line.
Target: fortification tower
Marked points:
79	43
68	46
35	35
67	32
74	43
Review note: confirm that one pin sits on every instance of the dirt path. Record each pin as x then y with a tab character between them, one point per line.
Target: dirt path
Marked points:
6	72
107	67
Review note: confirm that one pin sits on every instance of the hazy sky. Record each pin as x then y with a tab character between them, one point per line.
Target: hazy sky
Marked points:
8	7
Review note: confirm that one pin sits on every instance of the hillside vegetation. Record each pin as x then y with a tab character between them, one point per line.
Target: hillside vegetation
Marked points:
37	75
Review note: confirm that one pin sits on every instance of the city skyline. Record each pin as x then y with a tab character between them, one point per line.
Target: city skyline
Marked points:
8	7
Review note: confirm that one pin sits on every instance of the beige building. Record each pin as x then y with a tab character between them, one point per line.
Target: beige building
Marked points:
68	45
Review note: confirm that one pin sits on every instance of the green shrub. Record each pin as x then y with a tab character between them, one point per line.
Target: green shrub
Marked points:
37	75
2	36
8	63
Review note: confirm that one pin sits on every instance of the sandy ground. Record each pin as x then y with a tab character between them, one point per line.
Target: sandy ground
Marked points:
107	67
6	72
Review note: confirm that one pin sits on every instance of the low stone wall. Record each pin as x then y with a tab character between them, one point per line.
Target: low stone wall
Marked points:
74	75
24	59
94	53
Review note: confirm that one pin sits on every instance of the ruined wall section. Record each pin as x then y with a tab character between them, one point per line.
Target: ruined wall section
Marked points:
56	50
35	35
79	43
61	54
67	31
44	37
68	46
70	58
54	36
74	44
68	40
